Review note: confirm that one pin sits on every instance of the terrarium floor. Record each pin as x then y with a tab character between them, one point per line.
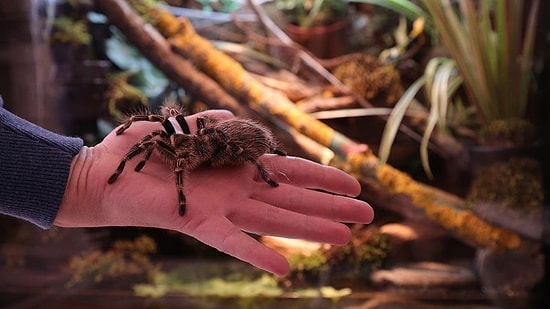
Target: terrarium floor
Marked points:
33	275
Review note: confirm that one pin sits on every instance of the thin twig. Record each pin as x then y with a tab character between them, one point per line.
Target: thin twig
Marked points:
311	62
307	58
320	104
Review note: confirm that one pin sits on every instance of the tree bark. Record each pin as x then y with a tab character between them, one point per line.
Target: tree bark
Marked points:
155	48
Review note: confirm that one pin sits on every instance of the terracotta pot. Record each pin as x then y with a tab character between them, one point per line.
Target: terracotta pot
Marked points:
322	41
461	171
508	278
482	156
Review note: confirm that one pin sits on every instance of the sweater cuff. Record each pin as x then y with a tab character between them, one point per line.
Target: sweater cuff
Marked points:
34	169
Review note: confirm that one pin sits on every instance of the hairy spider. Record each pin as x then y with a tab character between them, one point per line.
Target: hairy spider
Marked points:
216	143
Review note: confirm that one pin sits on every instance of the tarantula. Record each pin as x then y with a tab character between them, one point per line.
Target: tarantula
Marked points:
216	143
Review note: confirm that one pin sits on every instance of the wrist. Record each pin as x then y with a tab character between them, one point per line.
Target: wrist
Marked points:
71	212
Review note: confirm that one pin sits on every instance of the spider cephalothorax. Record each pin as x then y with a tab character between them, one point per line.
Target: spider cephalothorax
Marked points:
216	143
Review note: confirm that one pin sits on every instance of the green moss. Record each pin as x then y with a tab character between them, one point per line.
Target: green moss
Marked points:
240	285
249	285
312	262
516	183
367	250
68	30
372	80
307	13
508	132
120	90
143	6
123	259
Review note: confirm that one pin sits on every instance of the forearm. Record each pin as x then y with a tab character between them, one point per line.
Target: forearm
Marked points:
34	168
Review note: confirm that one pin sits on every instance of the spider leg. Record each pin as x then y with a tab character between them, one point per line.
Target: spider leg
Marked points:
168	150
135	118
146	144
201	123
179	184
183	124
279	152
265	174
134	151
237	150
149	149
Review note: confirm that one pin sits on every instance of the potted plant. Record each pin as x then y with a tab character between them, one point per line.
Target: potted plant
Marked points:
487	79
321	26
490	57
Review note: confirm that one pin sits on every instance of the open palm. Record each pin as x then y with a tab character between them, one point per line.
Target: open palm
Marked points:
222	203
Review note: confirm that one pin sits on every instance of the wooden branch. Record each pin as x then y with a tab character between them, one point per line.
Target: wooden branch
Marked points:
309	60
445	209
446	146
153	46
293	87
448	210
319	104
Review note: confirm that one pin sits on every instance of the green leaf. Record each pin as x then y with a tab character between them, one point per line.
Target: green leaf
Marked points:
406	8
394	121
492	46
146	76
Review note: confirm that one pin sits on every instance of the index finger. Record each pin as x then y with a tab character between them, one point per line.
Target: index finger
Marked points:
223	235
308	174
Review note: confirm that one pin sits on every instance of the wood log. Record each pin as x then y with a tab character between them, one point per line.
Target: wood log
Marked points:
155	48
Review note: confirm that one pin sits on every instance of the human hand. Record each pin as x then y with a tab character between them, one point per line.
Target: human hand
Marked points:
222	203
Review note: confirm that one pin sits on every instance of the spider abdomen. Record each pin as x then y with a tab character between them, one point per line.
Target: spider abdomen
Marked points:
237	141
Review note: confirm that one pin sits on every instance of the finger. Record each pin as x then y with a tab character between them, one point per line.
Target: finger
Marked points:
305	173
219	114
226	237
264	219
315	203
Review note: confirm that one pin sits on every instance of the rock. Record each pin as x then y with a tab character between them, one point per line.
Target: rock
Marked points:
424	275
508	277
421	241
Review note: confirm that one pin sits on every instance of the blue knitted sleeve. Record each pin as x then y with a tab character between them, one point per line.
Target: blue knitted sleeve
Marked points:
34	168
